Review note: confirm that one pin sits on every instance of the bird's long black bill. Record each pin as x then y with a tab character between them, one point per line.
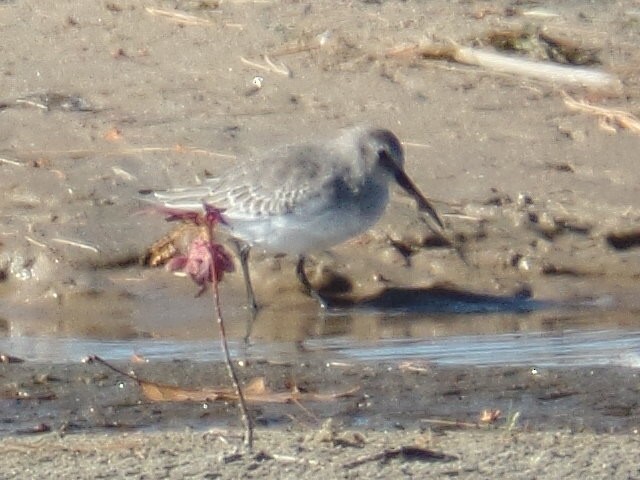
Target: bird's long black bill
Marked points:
423	204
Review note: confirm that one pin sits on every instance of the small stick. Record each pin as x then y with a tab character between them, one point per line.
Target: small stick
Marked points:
507	64
35	242
545	71
179	17
282	69
12	162
74	243
101	361
242	404
269	67
80	153
608	116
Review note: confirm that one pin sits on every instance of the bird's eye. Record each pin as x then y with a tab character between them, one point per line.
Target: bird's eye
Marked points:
385	160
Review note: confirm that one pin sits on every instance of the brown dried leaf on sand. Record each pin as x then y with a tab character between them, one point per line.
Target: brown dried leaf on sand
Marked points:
489	416
158	392
256	391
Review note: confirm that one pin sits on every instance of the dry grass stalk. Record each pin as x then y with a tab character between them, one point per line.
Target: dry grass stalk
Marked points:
180	17
35	242
74	243
496	62
90	152
271	67
609	119
545	71
11	162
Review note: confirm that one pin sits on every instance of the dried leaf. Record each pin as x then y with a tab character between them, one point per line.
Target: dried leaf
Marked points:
490	416
256	391
412	366
136	358
159	392
114	134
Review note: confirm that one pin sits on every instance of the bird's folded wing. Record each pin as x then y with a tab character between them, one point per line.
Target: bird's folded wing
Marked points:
304	182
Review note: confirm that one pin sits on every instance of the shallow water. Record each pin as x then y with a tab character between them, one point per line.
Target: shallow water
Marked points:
556	347
435	325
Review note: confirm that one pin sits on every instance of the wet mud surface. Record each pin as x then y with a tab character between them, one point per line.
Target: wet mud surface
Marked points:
78	398
400	418
534	195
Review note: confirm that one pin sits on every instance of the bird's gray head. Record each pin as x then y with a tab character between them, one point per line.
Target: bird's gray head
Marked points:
383	153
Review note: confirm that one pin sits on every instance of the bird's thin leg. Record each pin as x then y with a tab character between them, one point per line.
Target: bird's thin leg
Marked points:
243	251
308	288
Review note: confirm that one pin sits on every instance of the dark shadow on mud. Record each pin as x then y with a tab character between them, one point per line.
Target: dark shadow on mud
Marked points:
441	299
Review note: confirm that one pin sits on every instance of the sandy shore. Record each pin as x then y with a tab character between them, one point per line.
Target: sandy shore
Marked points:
307	453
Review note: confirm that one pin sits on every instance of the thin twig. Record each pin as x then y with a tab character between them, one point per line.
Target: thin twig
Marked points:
545	71
35	242
242	404
282	69
609	117
97	359
495	62
12	162
271	67
180	17
74	243
86	152
418	145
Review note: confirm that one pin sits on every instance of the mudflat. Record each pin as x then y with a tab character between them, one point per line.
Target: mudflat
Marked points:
341	419
534	174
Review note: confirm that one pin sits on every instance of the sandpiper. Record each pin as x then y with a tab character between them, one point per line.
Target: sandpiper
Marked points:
306	197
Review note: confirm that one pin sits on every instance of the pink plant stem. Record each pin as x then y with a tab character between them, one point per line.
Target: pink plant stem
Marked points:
242	404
